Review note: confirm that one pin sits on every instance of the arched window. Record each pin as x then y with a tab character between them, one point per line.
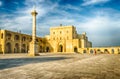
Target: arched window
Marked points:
41	40
36	40
16	37
98	51
8	36
106	51
118	50
23	38
2	36
112	50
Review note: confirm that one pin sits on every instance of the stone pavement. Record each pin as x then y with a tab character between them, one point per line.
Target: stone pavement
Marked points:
72	66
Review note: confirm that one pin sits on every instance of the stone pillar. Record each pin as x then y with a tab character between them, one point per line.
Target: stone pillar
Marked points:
34	13
33	45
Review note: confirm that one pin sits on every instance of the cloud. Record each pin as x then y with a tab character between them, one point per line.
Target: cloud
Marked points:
93	2
102	30
22	19
0	3
96	24
101	27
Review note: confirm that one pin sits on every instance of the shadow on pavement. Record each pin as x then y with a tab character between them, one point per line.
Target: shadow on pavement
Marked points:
15	62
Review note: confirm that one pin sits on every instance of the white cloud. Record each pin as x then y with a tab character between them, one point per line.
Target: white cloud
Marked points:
93	2
23	19
101	30
0	3
99	24
96	24
68	6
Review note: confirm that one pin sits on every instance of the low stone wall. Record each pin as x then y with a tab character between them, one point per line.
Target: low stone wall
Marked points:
100	50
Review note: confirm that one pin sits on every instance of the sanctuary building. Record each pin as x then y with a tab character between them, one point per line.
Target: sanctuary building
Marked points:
66	39
61	39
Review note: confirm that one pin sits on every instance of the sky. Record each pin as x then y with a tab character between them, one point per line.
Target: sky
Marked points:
100	19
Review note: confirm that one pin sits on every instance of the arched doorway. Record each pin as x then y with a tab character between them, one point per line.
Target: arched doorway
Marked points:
112	50
40	49
98	51
16	49
84	51
47	49
75	49
23	48
118	50
8	48
106	51
27	48
60	48
91	51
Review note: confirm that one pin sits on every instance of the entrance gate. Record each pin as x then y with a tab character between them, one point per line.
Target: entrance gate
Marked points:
60	48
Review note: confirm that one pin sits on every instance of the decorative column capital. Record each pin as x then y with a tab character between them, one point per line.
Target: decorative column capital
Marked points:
34	13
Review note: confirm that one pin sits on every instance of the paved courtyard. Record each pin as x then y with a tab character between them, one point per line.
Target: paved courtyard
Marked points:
60	66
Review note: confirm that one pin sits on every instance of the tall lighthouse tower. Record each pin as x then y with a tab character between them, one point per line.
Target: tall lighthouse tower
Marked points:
33	45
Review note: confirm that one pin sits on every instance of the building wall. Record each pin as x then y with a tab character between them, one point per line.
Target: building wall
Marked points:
16	42
100	50
61	39
2	39
72	42
66	39
60	33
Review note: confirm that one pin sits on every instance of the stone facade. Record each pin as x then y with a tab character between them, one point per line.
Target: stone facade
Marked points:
101	50
66	39
15	42
61	39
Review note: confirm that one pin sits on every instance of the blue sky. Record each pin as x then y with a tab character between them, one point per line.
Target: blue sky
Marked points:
100	19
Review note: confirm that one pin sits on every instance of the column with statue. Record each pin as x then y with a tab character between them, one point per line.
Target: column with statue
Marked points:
33	50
